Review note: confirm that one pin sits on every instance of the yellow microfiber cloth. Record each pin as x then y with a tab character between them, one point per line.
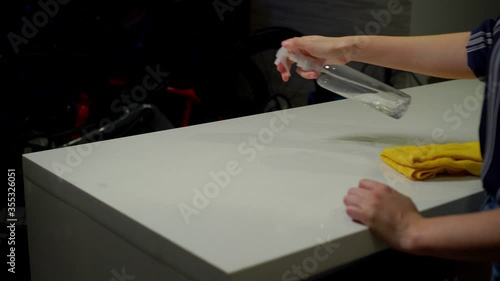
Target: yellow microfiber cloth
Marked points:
426	161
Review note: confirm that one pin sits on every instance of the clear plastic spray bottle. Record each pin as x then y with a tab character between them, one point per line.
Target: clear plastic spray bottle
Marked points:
352	84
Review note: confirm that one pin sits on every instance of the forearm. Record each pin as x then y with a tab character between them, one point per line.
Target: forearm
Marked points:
470	236
442	56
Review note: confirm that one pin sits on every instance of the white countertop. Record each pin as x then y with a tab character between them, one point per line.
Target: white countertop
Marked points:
285	194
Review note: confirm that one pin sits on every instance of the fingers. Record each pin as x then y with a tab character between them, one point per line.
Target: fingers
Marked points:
295	43
284	73
307	74
285	76
284	69
368	184
289	43
354	197
355	213
361	202
281	68
355	201
374	186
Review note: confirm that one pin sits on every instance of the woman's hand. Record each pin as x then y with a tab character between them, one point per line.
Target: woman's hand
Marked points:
389	214
328	50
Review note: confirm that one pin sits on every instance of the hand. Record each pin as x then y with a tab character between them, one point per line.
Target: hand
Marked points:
328	50
387	213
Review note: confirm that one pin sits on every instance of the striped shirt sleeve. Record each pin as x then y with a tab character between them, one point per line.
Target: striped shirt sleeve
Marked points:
480	46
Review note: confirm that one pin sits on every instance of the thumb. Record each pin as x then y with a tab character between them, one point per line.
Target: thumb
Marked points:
293	43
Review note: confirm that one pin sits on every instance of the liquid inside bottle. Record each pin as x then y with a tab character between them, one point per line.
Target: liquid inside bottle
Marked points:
352	84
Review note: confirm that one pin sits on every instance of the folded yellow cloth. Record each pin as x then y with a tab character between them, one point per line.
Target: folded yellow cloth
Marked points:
427	161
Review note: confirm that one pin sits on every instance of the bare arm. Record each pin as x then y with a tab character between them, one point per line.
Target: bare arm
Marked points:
442	56
471	236
434	55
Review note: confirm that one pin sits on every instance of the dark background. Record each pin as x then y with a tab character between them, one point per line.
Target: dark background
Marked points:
82	48
88	43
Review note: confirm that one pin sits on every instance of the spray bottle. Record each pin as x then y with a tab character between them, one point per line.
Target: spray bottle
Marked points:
352	84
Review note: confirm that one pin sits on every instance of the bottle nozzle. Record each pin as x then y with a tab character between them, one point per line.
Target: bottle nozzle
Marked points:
302	61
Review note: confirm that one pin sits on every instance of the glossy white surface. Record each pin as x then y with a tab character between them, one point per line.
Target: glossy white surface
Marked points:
286	191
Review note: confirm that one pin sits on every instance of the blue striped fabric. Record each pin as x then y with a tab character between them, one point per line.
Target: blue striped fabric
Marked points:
483	52
480	46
